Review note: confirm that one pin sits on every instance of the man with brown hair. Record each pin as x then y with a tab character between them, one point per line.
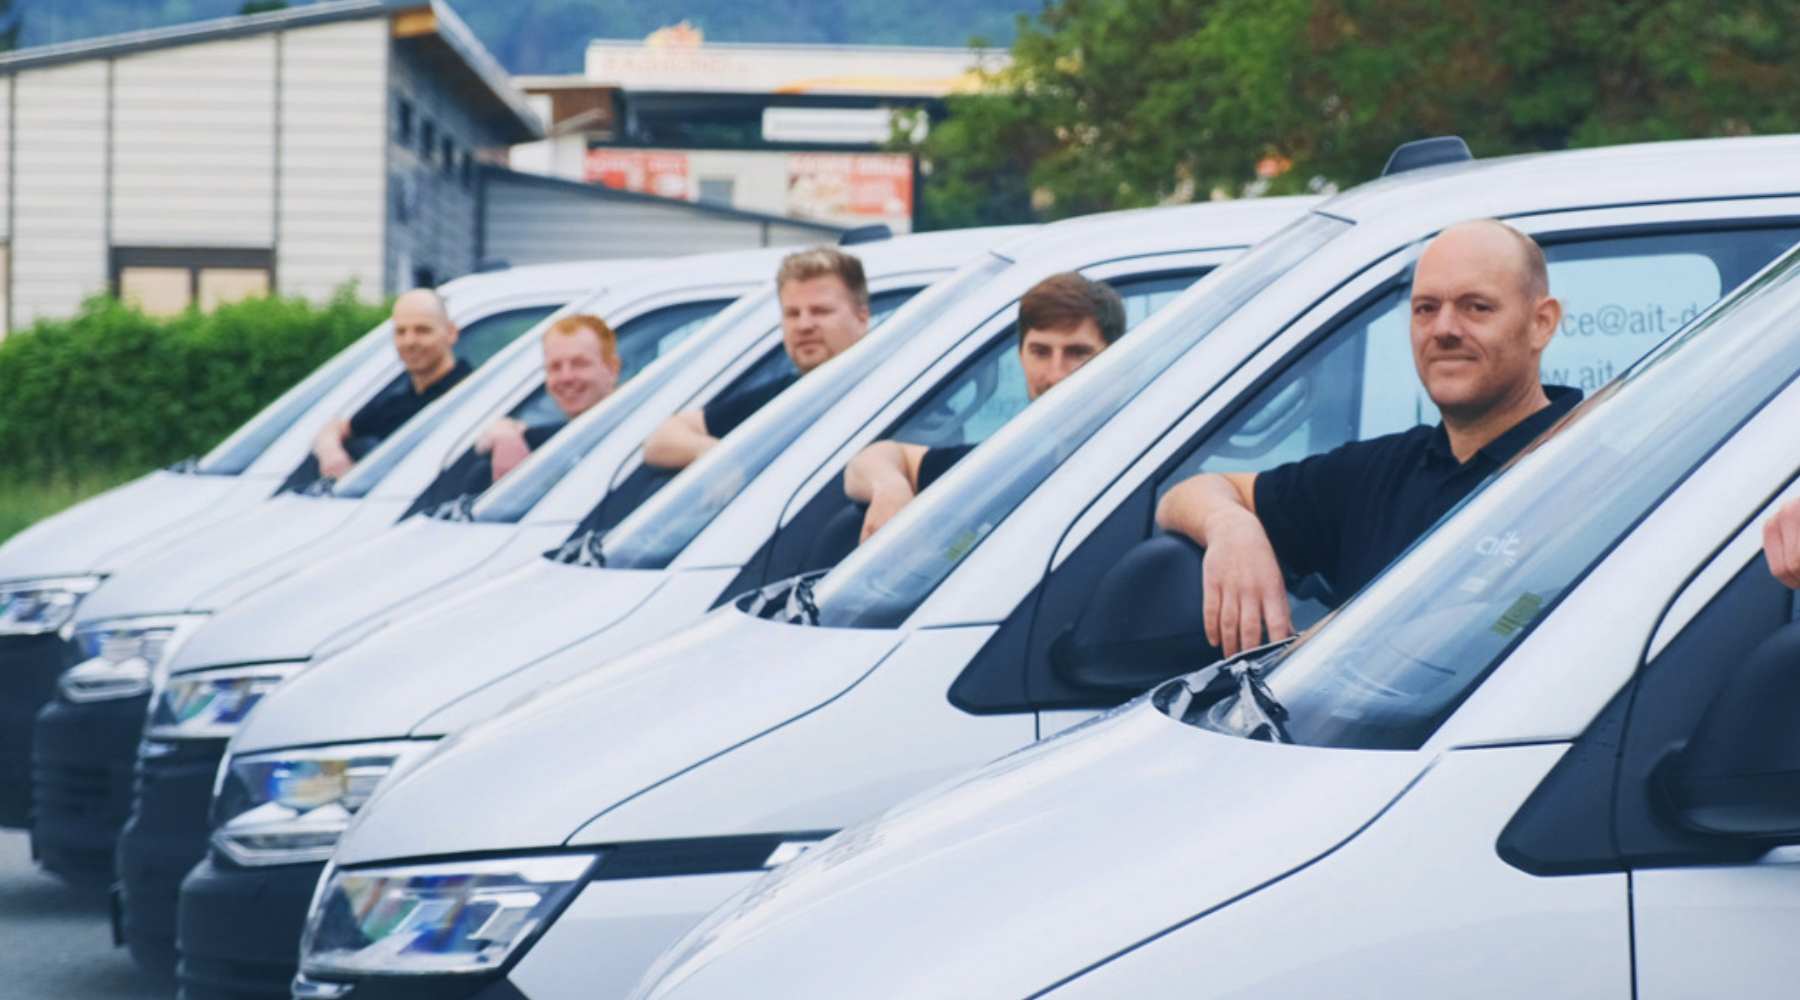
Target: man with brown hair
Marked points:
581	368
824	310
1064	322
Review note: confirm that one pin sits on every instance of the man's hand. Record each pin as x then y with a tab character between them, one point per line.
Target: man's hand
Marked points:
679	441
885	475
1781	544
328	448
504	443
1245	594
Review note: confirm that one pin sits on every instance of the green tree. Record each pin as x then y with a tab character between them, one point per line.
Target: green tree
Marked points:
1120	103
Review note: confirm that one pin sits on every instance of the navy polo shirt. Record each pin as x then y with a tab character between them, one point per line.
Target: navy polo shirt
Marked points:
937	461
384	414
1347	513
723	415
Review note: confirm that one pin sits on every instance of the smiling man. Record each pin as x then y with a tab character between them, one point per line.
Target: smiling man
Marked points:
1482	315
425	340
581	368
1065	321
824	310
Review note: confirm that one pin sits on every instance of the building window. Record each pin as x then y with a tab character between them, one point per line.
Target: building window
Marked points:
403	122
717	190
427	140
164	281
468	170
449	163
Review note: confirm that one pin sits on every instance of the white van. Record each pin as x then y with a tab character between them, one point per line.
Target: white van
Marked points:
764	504
1551	752
465	539
613	808
48	568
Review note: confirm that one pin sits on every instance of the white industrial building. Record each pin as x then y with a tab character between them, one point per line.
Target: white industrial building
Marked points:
293	152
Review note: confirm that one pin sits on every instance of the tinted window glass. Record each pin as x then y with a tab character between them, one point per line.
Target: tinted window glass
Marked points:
484	338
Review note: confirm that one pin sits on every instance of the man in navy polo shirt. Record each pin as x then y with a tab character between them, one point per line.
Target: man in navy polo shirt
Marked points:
1781	543
1482	315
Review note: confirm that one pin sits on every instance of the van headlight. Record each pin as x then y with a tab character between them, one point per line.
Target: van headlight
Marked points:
290	806
42	606
122	658
438	919
211	704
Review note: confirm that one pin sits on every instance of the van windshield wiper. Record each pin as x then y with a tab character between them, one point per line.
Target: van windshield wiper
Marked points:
789	601
584	549
1232	697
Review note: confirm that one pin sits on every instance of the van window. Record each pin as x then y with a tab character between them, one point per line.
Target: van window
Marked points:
482	339
1621	297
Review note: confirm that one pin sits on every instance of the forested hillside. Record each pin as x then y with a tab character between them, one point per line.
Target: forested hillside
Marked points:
548	36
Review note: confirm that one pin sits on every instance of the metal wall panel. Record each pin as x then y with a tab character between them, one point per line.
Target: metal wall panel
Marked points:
527	223
439	231
194	146
6	87
333	182
59	190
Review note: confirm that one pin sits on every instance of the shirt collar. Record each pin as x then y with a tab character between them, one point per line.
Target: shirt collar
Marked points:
1501	449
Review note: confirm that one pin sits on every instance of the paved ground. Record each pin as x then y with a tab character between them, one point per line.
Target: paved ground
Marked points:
55	942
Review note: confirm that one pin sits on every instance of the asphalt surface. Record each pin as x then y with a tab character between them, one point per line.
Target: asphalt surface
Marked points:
56	942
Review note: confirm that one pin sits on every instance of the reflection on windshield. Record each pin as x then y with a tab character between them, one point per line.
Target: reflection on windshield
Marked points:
1399	658
654	534
512	497
883	580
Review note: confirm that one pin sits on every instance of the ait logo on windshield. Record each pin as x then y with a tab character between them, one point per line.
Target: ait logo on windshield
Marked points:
1504	547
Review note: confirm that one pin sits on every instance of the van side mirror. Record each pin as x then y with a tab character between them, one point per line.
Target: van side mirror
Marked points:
1143	625
1739	774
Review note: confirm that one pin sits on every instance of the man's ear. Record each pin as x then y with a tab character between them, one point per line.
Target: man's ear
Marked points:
1546	319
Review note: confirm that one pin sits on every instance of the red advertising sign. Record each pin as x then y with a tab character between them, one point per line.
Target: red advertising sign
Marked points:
850	186
644	171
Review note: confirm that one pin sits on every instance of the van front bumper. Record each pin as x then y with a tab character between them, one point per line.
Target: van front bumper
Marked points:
238	930
164	839
29	667
83	755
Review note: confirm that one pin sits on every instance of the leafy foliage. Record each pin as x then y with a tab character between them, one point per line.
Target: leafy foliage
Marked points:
113	389
1121	103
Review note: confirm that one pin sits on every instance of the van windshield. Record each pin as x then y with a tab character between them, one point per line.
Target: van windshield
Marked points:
881	583
654	534
1390	666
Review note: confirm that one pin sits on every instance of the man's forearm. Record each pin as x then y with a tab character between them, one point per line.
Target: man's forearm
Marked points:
676	447
879	469
1194	502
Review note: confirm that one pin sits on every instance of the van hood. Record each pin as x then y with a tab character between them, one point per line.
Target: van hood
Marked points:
382	686
290	619
1082	845
177	577
535	775
90	536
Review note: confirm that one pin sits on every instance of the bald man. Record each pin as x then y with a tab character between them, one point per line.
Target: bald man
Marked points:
425	340
1482	315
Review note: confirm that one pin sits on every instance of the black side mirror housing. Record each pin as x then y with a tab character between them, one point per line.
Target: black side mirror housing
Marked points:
1739	774
1143	624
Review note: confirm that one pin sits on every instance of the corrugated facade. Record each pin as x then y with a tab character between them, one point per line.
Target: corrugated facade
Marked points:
333	175
532	220
295	151
258	151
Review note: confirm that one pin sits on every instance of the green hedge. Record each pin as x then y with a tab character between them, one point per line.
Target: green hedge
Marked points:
112	389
